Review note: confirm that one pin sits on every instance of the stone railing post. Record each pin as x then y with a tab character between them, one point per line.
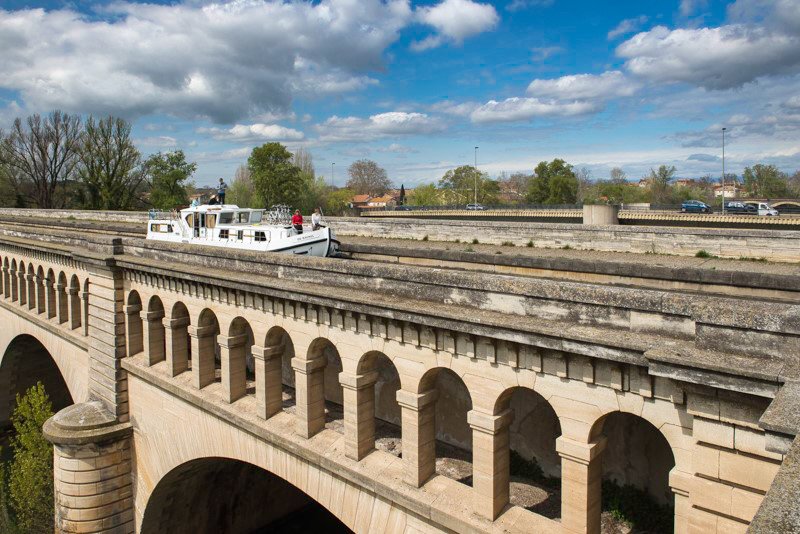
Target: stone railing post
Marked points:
202	340
6	283
41	297
176	341
74	308
581	477
12	275
490	461
233	362
85	318
30	280
153	336
419	435
269	386
23	288
310	395
92	470
134	336
62	304
359	413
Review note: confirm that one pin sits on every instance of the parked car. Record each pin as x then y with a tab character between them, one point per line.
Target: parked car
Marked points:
474	207
740	208
765	209
404	208
695	206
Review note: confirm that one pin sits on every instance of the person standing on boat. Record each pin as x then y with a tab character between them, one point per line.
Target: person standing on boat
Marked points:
221	191
316	219
297	222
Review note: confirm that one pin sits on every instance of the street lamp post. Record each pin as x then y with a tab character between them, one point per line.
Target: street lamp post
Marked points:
476	175
723	170
332	164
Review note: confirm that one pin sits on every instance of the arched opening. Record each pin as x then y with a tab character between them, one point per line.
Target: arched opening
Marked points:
386	432
453	446
178	343
134	333
154	342
237	360
319	395
25	362
211	495
636	465
12	274
279	392
75	316
206	364
534	465
30	277
62	304
41	298
50	294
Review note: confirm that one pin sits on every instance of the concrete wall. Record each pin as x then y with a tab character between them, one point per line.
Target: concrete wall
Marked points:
777	245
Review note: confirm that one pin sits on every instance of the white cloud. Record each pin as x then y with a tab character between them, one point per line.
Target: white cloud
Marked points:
254	132
219	60
688	7
396	148
517	5
541	53
627	26
457	109
455	20
607	85
161	141
520	109
713	58
377	126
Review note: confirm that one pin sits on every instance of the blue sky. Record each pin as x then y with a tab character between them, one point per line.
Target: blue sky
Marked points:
417	85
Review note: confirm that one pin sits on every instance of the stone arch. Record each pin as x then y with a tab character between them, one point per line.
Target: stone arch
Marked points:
153	330
177	340
62	304
134	332
318	390
281	342
24	362
12	275
205	349
325	349
41	297
451	429
215	494
75	315
235	351
50	294
636	453
274	375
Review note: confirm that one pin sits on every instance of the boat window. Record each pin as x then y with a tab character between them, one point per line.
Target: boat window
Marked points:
211	221
255	216
190	219
226	217
240	235
223	234
243	217
154	228
261	236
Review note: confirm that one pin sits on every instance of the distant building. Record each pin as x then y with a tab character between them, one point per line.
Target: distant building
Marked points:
359	201
685	182
645	182
729	191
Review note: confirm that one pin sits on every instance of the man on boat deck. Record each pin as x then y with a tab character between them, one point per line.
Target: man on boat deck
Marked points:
221	191
297	221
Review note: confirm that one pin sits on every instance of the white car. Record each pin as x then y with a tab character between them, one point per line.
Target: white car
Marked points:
765	209
473	207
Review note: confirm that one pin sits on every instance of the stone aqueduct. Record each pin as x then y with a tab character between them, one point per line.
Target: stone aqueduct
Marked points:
176	365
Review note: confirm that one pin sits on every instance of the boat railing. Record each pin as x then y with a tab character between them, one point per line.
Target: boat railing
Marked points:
163	215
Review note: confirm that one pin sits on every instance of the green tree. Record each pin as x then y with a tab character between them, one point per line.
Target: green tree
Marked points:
660	191
425	195
109	164
168	174
31	476
276	179
337	201
458	186
241	191
368	178
766	181
553	183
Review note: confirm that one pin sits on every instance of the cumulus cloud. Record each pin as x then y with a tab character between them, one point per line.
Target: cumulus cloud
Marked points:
520	109
627	26
254	132
454	21
610	84
688	7
219	60
160	141
713	58
702	157
457	109
775	127
378	126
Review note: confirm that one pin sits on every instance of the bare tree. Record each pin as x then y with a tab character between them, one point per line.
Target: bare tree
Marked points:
303	159
618	176
42	154
366	177
110	164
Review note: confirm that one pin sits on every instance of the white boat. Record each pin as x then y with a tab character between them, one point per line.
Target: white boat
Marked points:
230	226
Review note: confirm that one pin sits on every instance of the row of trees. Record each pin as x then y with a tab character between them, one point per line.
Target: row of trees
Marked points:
60	161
